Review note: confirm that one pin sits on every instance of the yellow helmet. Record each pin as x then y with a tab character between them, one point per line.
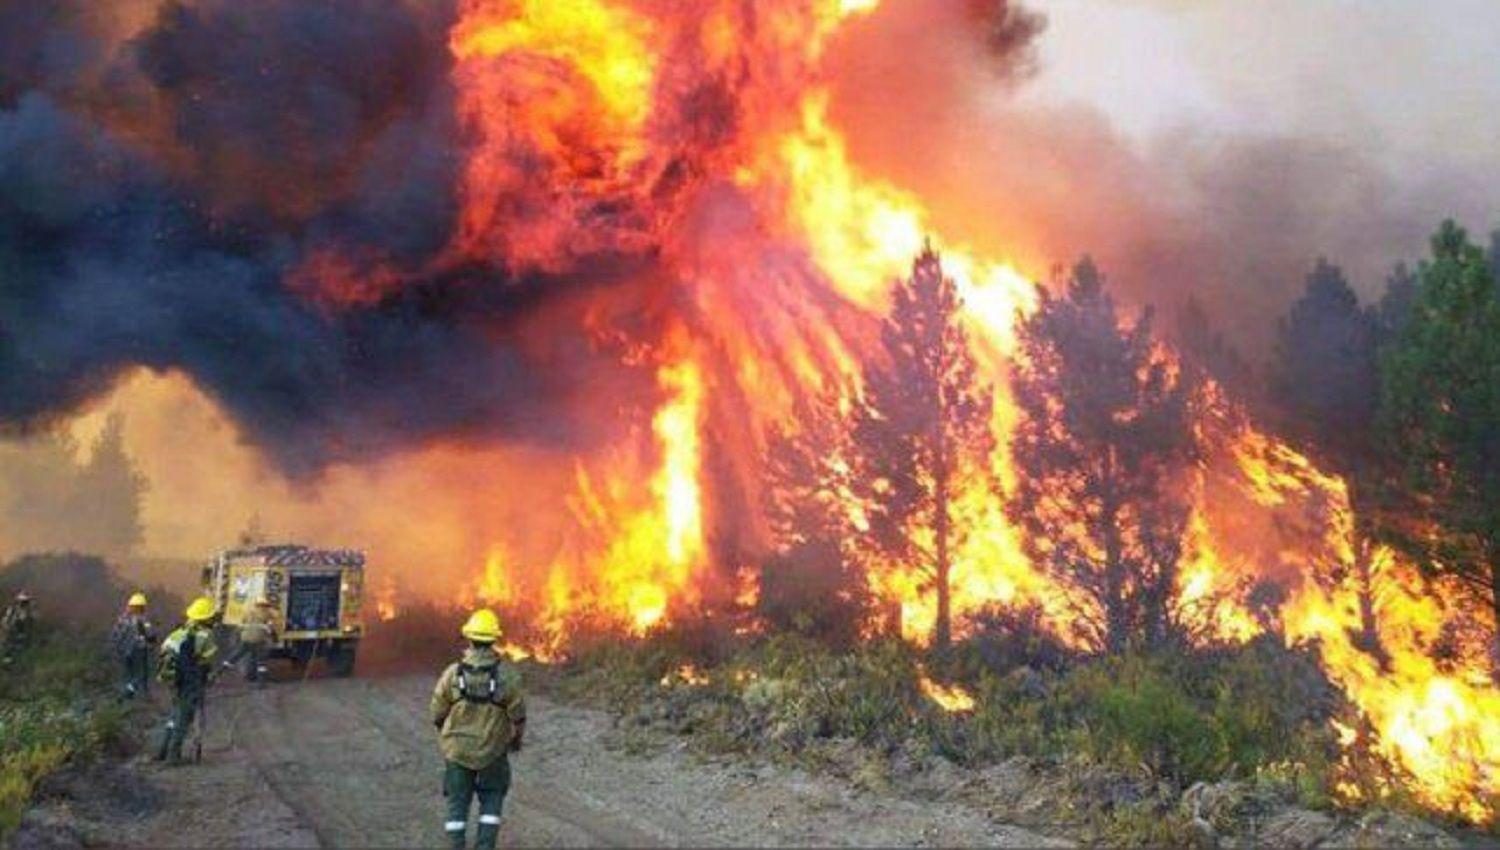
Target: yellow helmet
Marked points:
137	600
201	610
483	626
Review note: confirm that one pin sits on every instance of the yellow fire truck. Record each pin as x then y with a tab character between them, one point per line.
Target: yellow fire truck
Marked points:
314	597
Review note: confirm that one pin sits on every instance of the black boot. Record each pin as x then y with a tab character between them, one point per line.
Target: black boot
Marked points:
487	835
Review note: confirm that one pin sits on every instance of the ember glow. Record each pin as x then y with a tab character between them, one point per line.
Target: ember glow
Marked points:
687	674
691	151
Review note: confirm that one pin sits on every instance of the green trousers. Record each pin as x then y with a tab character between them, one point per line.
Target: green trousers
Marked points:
461	785
136	670
186	704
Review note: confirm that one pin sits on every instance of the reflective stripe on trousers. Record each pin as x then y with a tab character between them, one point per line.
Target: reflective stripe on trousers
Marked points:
461	785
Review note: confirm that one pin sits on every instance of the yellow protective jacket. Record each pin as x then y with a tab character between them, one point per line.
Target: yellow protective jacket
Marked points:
477	707
203	647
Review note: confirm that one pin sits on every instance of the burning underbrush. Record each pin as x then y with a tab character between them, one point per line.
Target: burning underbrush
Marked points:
1149	749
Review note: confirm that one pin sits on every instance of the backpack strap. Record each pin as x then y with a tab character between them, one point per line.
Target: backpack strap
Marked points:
187	654
490	691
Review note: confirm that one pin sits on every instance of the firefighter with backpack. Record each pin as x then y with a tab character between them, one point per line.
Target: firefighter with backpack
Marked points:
186	664
480	714
16	626
132	639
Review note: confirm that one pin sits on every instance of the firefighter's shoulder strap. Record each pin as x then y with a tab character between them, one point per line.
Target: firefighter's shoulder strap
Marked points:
187	657
478	684
181	655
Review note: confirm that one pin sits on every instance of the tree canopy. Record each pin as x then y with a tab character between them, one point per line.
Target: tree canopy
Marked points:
1440	415
923	425
1102	452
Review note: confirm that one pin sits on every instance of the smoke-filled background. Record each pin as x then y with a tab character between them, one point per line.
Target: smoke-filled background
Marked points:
242	227
1211	148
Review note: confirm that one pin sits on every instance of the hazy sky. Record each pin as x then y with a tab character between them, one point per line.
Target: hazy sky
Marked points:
1407	80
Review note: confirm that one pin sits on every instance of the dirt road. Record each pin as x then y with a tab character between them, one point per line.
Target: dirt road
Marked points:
352	763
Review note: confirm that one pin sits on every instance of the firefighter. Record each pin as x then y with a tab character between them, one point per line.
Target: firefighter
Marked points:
480	714
16	627
132	639
257	633
186	663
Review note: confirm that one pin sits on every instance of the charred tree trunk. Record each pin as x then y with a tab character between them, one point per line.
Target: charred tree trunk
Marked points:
1368	638
1116	606
1153	607
942	631
1495	610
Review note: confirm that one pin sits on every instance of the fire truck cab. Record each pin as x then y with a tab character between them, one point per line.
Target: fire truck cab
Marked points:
314	597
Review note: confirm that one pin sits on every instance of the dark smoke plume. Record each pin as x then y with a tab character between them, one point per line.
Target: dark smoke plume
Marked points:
159	192
186	185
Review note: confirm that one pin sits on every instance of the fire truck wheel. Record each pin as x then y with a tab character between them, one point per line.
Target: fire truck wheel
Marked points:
341	660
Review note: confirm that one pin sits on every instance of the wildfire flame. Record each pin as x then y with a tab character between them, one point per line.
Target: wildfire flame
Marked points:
706	137
951	698
385	601
1433	722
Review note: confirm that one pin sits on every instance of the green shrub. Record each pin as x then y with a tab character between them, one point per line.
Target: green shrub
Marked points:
1004	639
1135	713
55	708
1184	718
1169	719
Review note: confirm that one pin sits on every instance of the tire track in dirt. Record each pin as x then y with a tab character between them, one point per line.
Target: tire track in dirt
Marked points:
539	811
356	760
348	779
354	763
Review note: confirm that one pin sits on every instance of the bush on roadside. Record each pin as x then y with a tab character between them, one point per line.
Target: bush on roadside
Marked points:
1002	640
810	590
1184	717
56	708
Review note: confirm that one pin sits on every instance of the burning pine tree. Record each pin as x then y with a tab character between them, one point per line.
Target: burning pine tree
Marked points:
922	427
1103	451
884	487
811	582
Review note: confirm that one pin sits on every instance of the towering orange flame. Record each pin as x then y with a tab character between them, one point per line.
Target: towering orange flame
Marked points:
700	135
